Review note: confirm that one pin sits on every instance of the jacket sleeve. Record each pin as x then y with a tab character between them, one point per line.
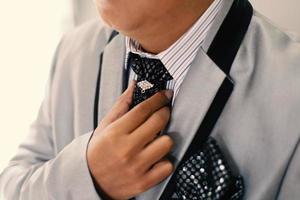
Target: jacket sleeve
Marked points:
290	188
37	172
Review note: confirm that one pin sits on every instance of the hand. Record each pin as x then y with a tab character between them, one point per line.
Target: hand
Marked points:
125	156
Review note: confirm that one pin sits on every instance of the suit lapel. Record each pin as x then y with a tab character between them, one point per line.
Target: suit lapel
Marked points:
196	94
206	88
111	75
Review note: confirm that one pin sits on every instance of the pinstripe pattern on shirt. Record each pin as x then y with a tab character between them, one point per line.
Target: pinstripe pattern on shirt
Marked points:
180	55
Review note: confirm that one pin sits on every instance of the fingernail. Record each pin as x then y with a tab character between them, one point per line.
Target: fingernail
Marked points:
169	94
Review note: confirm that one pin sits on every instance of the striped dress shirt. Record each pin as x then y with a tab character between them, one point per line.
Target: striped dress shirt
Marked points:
179	56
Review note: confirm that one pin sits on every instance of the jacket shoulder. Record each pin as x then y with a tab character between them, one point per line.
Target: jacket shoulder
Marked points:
91	35
271	61
77	59
80	48
272	37
273	51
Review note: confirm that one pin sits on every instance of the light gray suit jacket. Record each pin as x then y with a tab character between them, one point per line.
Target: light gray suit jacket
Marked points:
259	128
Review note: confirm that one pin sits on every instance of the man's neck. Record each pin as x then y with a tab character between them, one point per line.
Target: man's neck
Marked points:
158	36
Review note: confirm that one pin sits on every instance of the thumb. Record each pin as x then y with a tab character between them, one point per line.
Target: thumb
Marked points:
121	106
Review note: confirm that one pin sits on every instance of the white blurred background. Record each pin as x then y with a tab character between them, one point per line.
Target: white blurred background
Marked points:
29	33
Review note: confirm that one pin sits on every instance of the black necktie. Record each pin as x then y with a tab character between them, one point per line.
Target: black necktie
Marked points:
152	76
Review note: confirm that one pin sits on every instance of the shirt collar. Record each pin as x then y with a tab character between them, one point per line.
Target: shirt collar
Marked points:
181	53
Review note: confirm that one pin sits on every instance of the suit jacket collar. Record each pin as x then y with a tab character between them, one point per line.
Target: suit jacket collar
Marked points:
112	75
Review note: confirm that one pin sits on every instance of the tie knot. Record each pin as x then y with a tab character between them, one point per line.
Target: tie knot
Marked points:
152	70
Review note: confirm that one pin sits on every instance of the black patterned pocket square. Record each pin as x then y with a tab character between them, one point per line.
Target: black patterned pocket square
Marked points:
206	176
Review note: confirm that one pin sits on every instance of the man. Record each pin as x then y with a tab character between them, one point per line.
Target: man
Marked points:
220	122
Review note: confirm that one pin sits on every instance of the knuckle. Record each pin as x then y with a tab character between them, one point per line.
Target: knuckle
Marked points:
161	96
124	158
131	171
124	98
162	116
111	128
128	100
169	166
120	98
111	138
168	141
135	169
165	113
141	186
143	108
159	119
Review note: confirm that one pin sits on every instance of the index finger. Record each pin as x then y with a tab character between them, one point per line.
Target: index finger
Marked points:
140	113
